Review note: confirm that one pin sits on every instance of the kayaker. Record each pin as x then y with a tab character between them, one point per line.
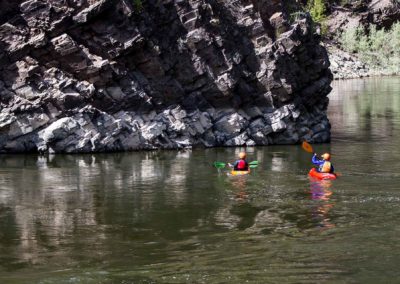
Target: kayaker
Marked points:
241	164
324	165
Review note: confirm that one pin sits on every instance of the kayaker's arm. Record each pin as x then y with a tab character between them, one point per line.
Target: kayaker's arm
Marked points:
316	161
233	165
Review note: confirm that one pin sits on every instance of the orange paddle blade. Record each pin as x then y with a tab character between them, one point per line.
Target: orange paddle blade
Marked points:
307	147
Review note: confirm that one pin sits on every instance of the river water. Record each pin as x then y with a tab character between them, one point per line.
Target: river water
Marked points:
170	217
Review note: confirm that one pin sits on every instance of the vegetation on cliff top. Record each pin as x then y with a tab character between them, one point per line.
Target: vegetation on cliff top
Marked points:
316	8
320	9
137	4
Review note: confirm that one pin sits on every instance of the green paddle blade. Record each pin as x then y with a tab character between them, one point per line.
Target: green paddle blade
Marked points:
253	166
253	163
219	165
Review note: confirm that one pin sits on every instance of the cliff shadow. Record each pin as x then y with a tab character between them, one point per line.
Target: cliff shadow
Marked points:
237	47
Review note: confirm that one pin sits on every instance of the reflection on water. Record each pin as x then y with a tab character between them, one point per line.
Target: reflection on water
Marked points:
239	184
367	109
321	191
170	217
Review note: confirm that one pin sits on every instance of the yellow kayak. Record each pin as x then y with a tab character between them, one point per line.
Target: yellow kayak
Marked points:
239	173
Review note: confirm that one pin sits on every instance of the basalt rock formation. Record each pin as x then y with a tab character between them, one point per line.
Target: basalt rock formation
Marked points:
115	75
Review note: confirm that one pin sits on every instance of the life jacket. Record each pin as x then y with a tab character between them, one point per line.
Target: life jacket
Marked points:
242	166
326	167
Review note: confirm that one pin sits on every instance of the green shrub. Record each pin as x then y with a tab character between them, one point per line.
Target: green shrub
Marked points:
380	49
138	5
349	39
318	10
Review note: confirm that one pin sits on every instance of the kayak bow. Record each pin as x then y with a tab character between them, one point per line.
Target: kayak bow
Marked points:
239	173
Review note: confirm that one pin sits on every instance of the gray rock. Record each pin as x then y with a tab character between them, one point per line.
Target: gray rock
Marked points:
92	11
64	45
101	76
231	124
239	140
278	126
58	130
152	130
116	93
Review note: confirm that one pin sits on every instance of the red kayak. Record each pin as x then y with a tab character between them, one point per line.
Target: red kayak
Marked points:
315	174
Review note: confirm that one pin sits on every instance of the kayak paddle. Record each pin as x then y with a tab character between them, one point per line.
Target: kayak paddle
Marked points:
253	164
307	147
221	165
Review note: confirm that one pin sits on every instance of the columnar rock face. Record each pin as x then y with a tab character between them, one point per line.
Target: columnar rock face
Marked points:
108	75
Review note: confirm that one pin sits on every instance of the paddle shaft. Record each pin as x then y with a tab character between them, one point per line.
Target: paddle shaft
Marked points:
221	165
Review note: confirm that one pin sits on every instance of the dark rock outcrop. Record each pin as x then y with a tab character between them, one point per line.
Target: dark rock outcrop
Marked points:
90	76
382	13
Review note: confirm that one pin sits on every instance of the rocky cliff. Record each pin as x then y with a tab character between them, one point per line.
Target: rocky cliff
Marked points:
114	75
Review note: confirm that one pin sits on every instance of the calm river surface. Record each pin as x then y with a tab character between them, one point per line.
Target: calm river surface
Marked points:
169	217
